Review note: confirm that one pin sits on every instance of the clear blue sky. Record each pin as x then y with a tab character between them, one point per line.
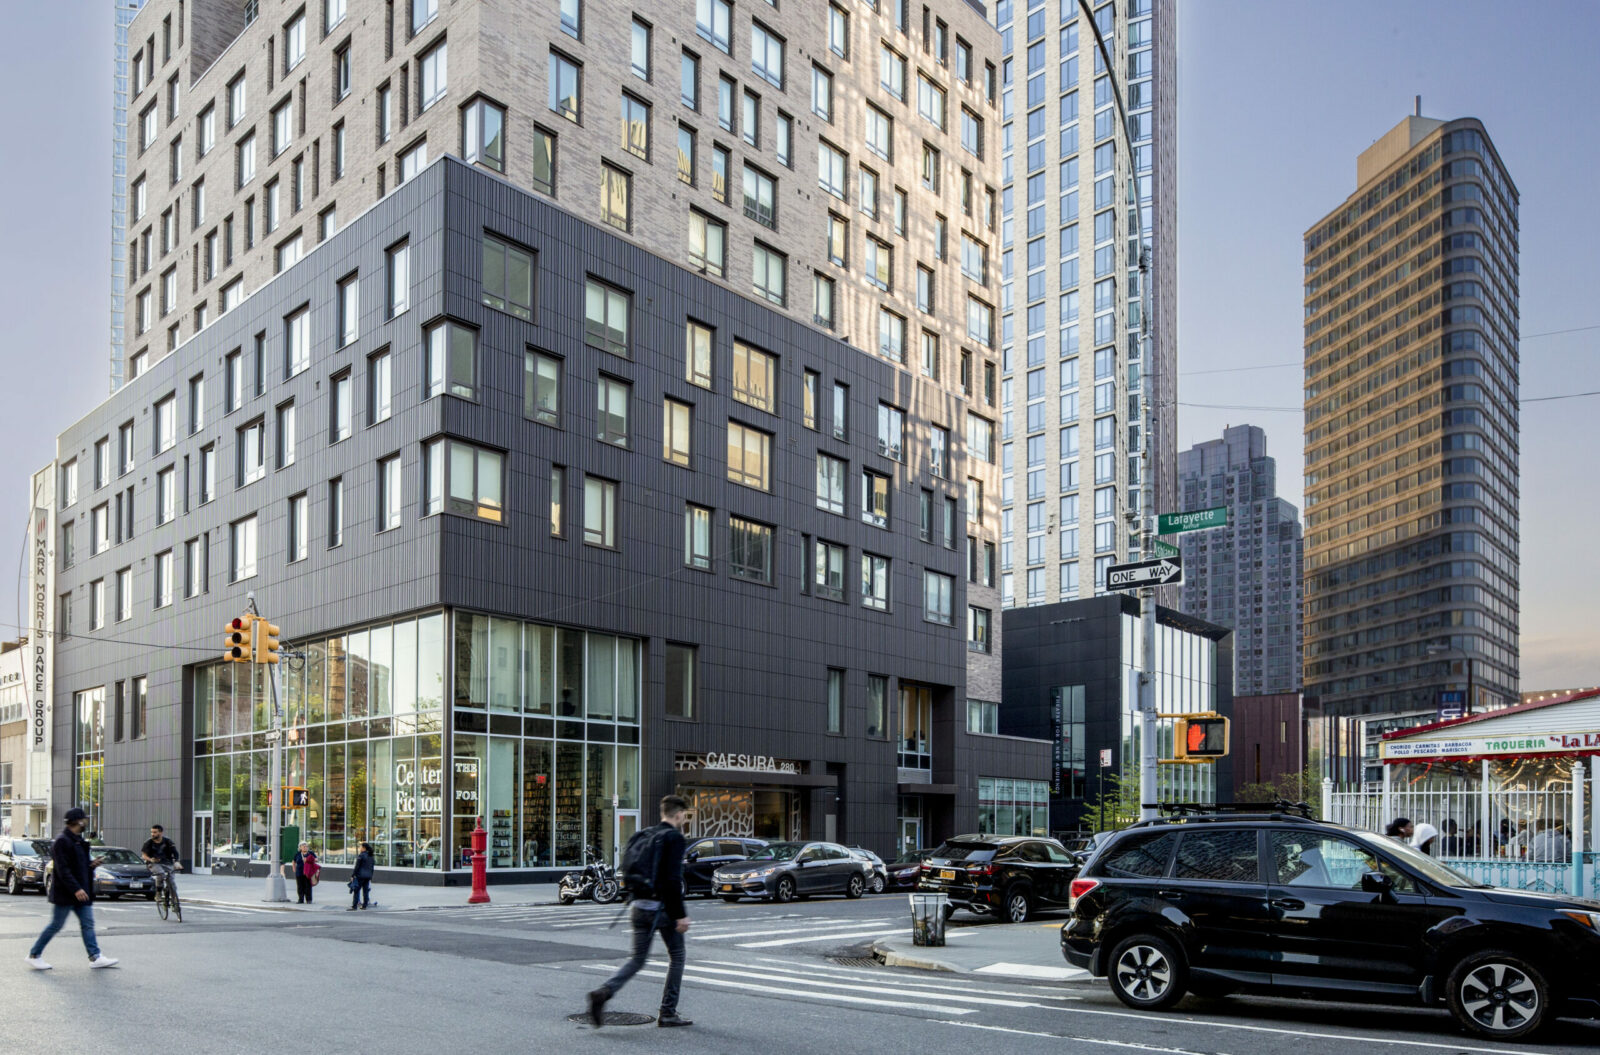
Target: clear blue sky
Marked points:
1276	99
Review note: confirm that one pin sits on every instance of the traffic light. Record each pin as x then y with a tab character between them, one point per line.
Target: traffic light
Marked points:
1201	737
297	798
236	646
266	641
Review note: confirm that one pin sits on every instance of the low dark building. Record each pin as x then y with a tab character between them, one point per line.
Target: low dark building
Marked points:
1071	677
1268	740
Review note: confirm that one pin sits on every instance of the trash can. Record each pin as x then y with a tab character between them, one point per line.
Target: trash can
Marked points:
927	918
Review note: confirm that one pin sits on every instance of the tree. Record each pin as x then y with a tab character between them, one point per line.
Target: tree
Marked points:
1304	786
1116	807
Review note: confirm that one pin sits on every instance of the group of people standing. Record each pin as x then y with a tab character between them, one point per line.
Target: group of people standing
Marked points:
1544	840
308	872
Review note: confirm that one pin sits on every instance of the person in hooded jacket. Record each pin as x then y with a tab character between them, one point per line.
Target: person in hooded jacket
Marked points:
1426	839
71	890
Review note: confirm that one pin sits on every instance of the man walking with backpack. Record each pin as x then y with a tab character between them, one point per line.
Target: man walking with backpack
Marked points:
652	867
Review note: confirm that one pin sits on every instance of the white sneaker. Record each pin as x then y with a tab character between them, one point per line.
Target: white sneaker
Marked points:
38	964
102	961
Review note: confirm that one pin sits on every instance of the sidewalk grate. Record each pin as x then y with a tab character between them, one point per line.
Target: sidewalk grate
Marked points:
613	1018
856	961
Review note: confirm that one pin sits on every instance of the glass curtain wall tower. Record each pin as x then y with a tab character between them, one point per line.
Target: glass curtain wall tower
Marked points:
1411	421
1074	375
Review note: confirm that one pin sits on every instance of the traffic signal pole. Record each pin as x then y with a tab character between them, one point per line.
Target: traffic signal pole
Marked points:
264	651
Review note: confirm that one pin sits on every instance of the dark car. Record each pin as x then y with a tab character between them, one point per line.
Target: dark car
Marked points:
1009	876
705	856
121	871
784	871
904	870
878	881
1284	904
22	863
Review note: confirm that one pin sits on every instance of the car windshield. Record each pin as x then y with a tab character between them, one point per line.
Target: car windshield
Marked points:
778	852
965	852
1419	862
36	847
117	856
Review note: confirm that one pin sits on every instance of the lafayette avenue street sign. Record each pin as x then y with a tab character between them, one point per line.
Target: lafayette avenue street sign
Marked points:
1198	520
1160	572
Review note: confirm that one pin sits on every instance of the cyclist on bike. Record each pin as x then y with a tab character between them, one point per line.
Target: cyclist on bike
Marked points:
162	856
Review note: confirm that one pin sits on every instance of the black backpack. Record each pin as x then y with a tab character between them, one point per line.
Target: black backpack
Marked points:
641	861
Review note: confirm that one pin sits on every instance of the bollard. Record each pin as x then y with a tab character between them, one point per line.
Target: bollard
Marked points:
480	874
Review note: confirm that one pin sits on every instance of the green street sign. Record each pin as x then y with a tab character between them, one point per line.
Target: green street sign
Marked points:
1199	520
1163	549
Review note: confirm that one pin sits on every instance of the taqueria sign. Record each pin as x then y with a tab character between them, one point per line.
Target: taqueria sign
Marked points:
1478	746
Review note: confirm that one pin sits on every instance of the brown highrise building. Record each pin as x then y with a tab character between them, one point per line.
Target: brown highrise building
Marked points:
1411	542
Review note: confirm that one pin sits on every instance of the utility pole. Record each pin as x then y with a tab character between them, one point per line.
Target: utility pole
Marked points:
1149	749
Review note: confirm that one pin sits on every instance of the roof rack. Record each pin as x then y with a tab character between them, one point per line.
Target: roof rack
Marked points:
1279	810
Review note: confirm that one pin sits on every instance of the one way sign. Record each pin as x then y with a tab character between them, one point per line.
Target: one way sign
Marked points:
1160	572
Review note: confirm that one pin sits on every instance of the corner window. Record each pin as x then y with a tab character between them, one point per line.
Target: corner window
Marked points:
483	134
463	480
452	360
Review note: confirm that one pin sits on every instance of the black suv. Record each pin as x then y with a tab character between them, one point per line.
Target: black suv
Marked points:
1281	903
1007	875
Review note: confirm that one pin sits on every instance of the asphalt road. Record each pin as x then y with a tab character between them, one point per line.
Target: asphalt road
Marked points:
781	978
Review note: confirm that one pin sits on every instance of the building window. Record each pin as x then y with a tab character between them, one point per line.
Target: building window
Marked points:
755	377
697	537
766	54
686	154
874	498
483	134
749	456
245	159
822	93
251	441
930	101
507	277
635	127
412	162
616	197
605	314
166	495
760	197
208	474
708	244
875	582
750	550
294	43
680	688
809	385
544	162
541	388
341	73
452	360
891	432
558	486
349	304
571	18
877	706
677	424
689	80
97	604
831	166
286	435
398	259
880	133
713	20
770	271
566	87
830	483
341	411
380	388
242	548
432	75
195	555
977	629
599	512
282	127
937	593
980	438
298	524
463	480
841	409
389	493
721	162
612	417
835	701
639	53
822	291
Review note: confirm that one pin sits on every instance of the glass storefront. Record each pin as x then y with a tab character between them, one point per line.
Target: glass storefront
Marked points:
367	736
1013	807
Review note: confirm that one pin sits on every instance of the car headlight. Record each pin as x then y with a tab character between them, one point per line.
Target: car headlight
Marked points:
1587	919
101	873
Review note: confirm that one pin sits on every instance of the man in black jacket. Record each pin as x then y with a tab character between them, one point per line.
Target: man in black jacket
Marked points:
71	890
663	911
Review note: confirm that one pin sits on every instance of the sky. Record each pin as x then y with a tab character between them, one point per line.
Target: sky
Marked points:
1276	99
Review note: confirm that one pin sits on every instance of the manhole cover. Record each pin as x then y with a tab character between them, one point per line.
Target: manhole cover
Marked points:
613	1018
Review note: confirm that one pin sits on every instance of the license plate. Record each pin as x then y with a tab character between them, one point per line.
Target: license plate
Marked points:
946	873
727	886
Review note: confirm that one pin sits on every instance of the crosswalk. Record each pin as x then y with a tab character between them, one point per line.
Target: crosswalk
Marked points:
855	986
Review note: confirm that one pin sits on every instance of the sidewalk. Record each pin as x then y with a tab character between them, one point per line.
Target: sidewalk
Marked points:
1029	951
241	892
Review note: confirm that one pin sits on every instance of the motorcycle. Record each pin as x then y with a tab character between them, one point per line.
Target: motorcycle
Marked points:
597	881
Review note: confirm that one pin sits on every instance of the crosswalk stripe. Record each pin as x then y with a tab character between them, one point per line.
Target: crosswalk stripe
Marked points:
798	977
880	976
879	933
845	998
790	930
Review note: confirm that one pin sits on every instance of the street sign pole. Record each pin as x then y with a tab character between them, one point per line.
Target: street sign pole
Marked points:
275	884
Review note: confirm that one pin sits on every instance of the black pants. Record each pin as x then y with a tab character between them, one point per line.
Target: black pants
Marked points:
645	926
360	892
302	887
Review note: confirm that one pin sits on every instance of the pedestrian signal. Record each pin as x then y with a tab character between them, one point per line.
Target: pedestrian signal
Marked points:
236	640
266	641
1201	738
297	798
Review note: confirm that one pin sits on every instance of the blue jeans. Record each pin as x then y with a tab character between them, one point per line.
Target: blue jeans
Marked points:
645	924
361	892
85	913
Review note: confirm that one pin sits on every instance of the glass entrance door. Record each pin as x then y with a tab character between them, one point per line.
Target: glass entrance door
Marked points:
200	848
910	834
627	824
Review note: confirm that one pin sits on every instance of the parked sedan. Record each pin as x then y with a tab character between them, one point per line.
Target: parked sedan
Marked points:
878	881
121	871
705	856
1010	876
784	871
22	863
904	870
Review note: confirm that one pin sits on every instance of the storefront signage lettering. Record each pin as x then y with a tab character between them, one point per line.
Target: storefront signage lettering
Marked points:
466	785
41	619
1530	744
743	763
418	786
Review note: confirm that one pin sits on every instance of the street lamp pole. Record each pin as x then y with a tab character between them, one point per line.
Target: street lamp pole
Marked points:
1149	750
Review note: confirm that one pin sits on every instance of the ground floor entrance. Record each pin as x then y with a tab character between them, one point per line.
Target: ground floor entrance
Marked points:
750	813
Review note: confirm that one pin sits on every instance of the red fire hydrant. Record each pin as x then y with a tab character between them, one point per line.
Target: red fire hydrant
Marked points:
480	872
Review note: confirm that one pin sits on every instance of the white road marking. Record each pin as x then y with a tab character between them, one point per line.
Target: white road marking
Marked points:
791	930
1028	970
879	933
798	977
838	998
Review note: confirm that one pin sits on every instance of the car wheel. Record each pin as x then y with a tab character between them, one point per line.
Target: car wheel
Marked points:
49	887
784	891
1147	973
879	884
13	884
1019	906
730	898
855	887
1498	995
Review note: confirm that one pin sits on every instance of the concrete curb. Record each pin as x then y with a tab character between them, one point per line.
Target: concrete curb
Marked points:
272	906
923	962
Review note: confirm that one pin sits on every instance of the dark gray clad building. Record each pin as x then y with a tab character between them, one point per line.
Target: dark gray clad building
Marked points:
553	526
1071	677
